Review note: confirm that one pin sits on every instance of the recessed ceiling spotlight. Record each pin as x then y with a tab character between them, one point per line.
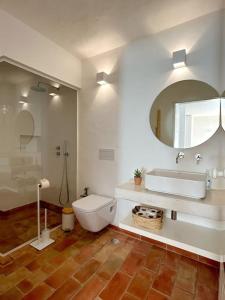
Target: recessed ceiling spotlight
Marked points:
56	85
179	59
53	91
23	100
53	94
102	78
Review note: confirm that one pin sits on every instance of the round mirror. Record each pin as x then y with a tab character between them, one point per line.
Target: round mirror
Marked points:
24	126
185	114
223	110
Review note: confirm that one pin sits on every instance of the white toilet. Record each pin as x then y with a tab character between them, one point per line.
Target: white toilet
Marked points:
94	212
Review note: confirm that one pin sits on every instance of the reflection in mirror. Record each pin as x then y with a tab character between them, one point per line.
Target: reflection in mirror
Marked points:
185	114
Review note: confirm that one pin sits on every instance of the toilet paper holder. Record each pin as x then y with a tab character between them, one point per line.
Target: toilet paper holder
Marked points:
42	240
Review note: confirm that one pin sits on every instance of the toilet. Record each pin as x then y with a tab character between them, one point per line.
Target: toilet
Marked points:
94	212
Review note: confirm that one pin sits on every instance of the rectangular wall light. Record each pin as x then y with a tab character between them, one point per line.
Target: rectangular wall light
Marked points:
102	78
179	59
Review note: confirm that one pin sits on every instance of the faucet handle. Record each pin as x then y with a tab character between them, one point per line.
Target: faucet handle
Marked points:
198	157
180	155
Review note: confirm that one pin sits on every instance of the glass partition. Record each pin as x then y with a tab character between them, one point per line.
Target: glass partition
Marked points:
37	127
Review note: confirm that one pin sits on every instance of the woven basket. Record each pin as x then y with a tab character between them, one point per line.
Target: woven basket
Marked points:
149	222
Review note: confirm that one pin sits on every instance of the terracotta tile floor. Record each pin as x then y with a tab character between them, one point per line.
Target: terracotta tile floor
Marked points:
21	226
83	265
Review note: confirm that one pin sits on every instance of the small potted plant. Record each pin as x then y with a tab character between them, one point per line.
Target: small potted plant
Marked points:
137	177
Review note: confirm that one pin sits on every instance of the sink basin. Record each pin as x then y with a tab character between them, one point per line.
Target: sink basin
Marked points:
181	183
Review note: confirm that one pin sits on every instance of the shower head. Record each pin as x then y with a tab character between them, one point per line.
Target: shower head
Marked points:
39	88
42	87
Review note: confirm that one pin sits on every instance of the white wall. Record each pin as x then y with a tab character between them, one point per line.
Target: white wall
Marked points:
98	112
24	45
60	127
117	115
146	70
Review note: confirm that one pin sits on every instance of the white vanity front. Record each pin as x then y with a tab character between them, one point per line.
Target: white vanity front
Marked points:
200	225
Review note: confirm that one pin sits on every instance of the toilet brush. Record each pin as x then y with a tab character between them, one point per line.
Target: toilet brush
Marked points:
42	240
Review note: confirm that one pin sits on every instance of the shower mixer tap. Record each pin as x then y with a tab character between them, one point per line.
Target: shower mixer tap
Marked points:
58	148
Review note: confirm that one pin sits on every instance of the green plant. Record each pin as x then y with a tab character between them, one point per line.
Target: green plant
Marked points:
137	173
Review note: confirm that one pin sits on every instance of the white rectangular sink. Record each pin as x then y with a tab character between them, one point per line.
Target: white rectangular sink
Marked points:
180	183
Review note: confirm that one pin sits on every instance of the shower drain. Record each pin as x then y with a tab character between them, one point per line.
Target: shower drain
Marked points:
115	241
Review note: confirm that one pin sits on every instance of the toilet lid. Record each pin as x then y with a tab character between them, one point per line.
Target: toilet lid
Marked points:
91	203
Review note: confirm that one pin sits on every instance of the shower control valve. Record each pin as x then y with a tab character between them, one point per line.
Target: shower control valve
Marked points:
58	153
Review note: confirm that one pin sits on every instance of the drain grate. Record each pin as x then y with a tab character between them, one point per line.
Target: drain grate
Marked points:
115	241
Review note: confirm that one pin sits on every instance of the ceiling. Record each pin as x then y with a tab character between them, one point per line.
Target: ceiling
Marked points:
87	28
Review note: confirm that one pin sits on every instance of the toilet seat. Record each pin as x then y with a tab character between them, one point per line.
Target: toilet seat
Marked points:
92	203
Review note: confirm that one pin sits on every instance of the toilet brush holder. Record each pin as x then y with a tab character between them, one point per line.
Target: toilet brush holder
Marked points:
45	235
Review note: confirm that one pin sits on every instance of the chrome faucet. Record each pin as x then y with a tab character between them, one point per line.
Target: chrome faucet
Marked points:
198	157
180	155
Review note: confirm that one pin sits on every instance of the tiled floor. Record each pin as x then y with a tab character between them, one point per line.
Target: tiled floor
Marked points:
20	226
82	265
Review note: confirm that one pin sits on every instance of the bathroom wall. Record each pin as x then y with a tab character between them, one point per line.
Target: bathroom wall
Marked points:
23	44
61	130
20	162
98	124
117	115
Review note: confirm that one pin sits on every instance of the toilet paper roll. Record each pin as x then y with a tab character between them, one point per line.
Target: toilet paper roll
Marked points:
44	183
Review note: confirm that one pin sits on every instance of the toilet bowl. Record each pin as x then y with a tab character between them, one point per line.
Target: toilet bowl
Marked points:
94	212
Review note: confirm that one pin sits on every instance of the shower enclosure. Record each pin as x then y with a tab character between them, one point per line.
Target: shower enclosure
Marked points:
37	118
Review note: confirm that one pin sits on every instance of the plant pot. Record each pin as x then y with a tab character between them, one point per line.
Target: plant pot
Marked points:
137	180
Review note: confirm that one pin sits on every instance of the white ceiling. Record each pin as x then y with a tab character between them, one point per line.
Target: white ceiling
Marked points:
89	27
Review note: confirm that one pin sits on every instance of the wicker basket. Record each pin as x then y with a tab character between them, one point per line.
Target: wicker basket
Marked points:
148	217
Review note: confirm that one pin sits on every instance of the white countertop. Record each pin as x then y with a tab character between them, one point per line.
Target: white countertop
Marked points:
212	207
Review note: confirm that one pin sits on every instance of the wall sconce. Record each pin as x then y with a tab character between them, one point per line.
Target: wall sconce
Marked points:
179	59
102	78
23	100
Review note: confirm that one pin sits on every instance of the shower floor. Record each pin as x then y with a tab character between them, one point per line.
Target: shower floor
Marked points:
20	225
